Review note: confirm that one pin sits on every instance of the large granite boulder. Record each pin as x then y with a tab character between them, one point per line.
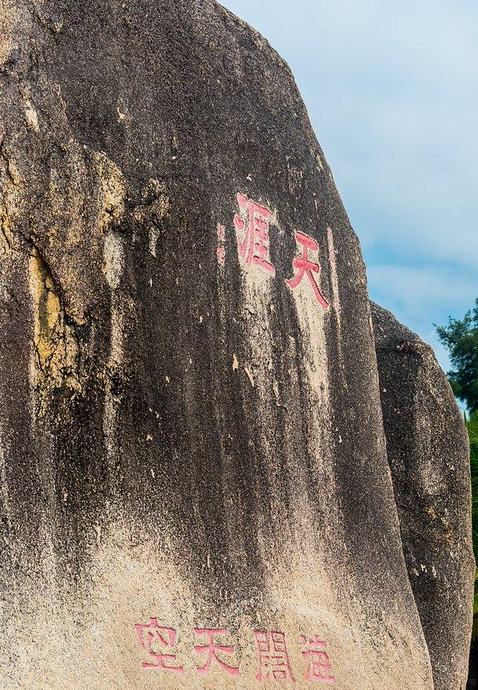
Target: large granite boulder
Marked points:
194	485
428	451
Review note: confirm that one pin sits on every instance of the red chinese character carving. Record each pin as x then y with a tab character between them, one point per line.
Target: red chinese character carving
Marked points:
274	661
306	267
211	649
252	226
152	635
319	663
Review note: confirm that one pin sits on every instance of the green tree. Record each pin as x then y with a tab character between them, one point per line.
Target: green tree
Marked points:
460	338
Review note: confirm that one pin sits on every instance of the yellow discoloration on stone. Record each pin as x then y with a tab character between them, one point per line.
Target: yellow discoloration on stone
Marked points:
56	348
9	200
113	188
47	312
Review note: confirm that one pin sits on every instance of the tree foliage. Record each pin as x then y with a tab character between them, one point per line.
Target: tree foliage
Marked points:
460	338
472	426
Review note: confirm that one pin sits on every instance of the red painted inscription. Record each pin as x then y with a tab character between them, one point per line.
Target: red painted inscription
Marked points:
211	650
153	637
306	267
273	657
252	227
319	663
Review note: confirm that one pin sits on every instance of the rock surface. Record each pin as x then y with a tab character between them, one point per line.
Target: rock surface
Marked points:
428	452
193	469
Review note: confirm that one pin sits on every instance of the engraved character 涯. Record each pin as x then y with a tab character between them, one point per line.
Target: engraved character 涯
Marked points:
252	228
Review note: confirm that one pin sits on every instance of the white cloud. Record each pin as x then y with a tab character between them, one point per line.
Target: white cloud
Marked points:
422	296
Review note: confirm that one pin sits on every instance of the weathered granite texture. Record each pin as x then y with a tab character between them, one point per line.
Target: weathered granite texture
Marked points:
187	440
428	452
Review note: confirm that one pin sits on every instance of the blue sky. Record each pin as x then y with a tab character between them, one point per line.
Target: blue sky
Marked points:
392	92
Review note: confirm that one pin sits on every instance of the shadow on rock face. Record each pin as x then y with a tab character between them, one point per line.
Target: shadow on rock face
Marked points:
428	452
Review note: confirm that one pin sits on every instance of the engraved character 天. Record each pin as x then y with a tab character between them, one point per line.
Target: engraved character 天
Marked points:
306	267
319	667
273	657
252	228
211	649
153	638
